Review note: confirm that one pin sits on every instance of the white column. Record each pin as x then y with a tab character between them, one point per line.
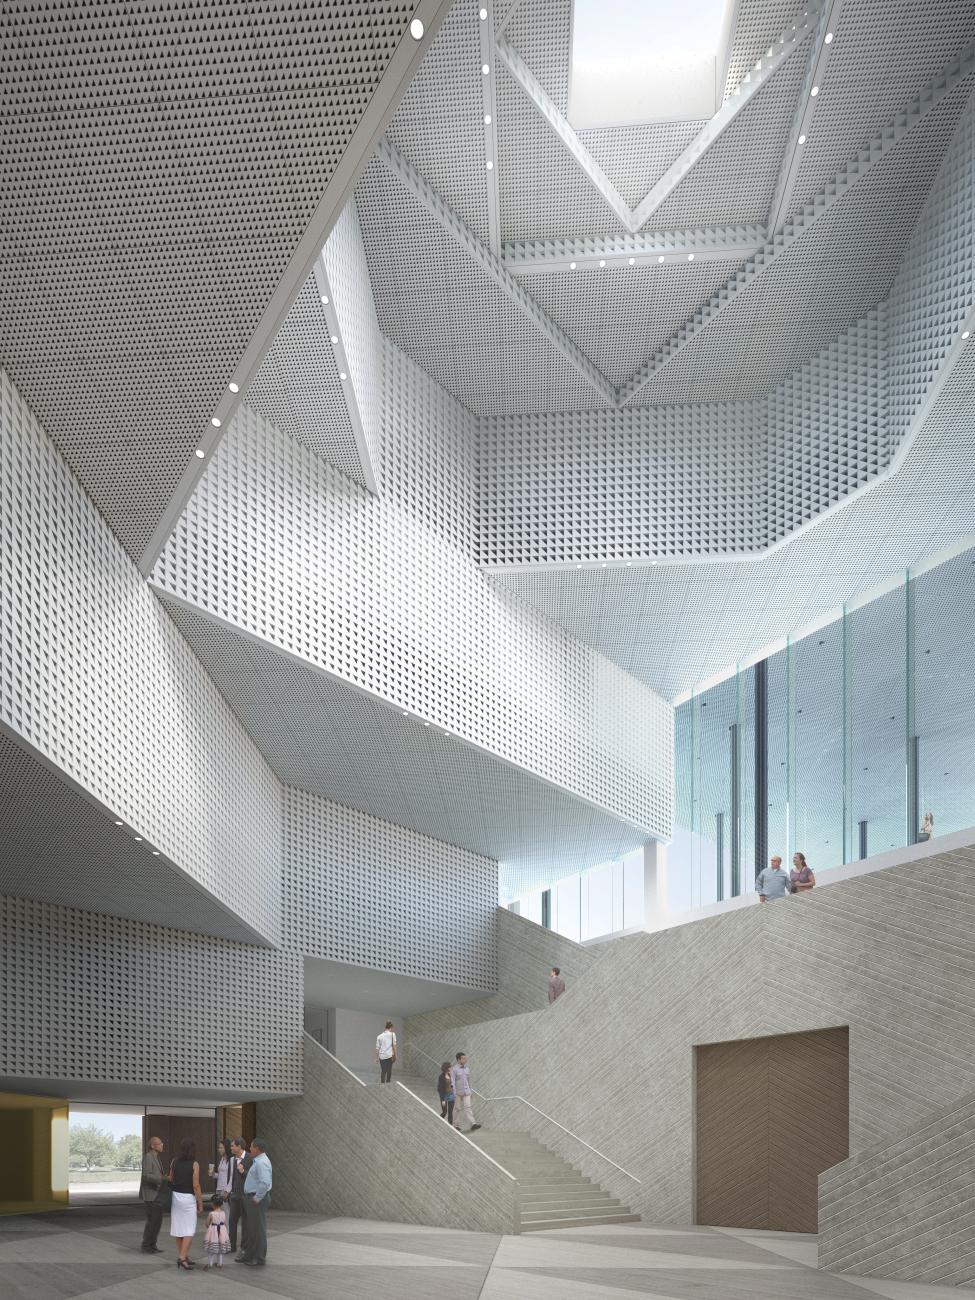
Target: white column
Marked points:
515	907
654	885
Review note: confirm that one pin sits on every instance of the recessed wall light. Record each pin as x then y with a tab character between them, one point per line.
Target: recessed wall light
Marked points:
405	714
653	561
632	261
487	119
578	566
814	92
604	564
155	853
690	257
602	261
483	15
629	564
215	422
490	165
200	453
138	839
660	258
416	29
324	299
335	338
572	266
966	334
118	823
485	68
828	38
234	388
802	139
343	375
426	724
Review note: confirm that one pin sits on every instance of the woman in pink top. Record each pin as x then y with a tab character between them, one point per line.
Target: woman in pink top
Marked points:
801	876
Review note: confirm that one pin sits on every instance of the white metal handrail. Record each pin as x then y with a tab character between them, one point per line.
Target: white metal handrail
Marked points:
411	1093
531	1105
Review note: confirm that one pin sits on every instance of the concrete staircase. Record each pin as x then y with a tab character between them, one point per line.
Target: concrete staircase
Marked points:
551	1193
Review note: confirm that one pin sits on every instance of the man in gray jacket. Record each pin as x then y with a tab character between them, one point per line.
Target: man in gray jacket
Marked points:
772	883
152	1176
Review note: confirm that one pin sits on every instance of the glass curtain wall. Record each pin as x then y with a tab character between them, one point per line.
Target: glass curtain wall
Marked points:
837	745
602	901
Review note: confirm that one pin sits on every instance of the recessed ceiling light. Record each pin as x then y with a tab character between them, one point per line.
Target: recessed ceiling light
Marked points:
118	823
487	119
578	566
483	15
660	258
426	724
828	38
602	261
234	388
604	564
200	453
485	68
572	266
966	334
335	338
325	299
343	375
215	422
490	165
155	853
632	261
814	92
138	839
416	29
802	139
405	714
690	257
653	561
629	563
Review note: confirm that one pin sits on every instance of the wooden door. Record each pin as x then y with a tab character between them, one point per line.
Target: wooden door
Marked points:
173	1128
772	1114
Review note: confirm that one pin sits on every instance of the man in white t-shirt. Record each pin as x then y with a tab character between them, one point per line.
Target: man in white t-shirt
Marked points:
386	1053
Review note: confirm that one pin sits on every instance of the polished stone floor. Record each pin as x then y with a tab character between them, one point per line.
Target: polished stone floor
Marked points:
93	1252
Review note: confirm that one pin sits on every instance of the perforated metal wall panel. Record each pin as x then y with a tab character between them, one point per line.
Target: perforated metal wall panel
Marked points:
96	998
95	678
361	890
60	847
334	740
406	616
142	244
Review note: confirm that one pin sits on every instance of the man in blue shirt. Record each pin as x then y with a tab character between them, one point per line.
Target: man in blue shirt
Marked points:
257	1197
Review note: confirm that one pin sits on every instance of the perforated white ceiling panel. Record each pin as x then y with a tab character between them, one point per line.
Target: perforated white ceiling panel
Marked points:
162	165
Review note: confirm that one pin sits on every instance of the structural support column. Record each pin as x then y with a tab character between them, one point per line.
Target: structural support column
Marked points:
912	791
654	885
863	839
719	855
734	736
547	909
761	765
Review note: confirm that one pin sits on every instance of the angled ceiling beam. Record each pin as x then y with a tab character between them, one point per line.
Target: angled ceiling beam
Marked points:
411	179
796	226
768	64
588	252
399	72
549	112
350	395
634	219
819	51
486	25
513	8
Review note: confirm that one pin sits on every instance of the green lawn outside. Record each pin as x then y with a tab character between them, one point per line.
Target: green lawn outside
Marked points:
103	1176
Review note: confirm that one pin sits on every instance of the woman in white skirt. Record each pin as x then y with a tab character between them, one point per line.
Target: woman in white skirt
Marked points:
187	1200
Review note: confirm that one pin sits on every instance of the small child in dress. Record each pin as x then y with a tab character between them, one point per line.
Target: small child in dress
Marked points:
216	1243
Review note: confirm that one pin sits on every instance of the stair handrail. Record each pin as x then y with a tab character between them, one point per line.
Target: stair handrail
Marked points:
463	1136
531	1105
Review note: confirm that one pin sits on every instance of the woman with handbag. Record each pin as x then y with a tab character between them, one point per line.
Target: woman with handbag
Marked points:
184	1177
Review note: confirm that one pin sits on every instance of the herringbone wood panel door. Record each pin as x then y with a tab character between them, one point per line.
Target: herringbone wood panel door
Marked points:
772	1113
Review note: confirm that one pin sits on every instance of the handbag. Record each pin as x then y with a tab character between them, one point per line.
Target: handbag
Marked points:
164	1195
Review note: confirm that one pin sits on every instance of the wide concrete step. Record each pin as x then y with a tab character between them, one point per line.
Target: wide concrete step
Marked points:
560	1212
567	1184
579	1205
582	1221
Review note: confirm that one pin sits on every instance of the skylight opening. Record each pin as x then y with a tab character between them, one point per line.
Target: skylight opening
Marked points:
636	61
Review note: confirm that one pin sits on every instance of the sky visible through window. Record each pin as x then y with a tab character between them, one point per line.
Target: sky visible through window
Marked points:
646	60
